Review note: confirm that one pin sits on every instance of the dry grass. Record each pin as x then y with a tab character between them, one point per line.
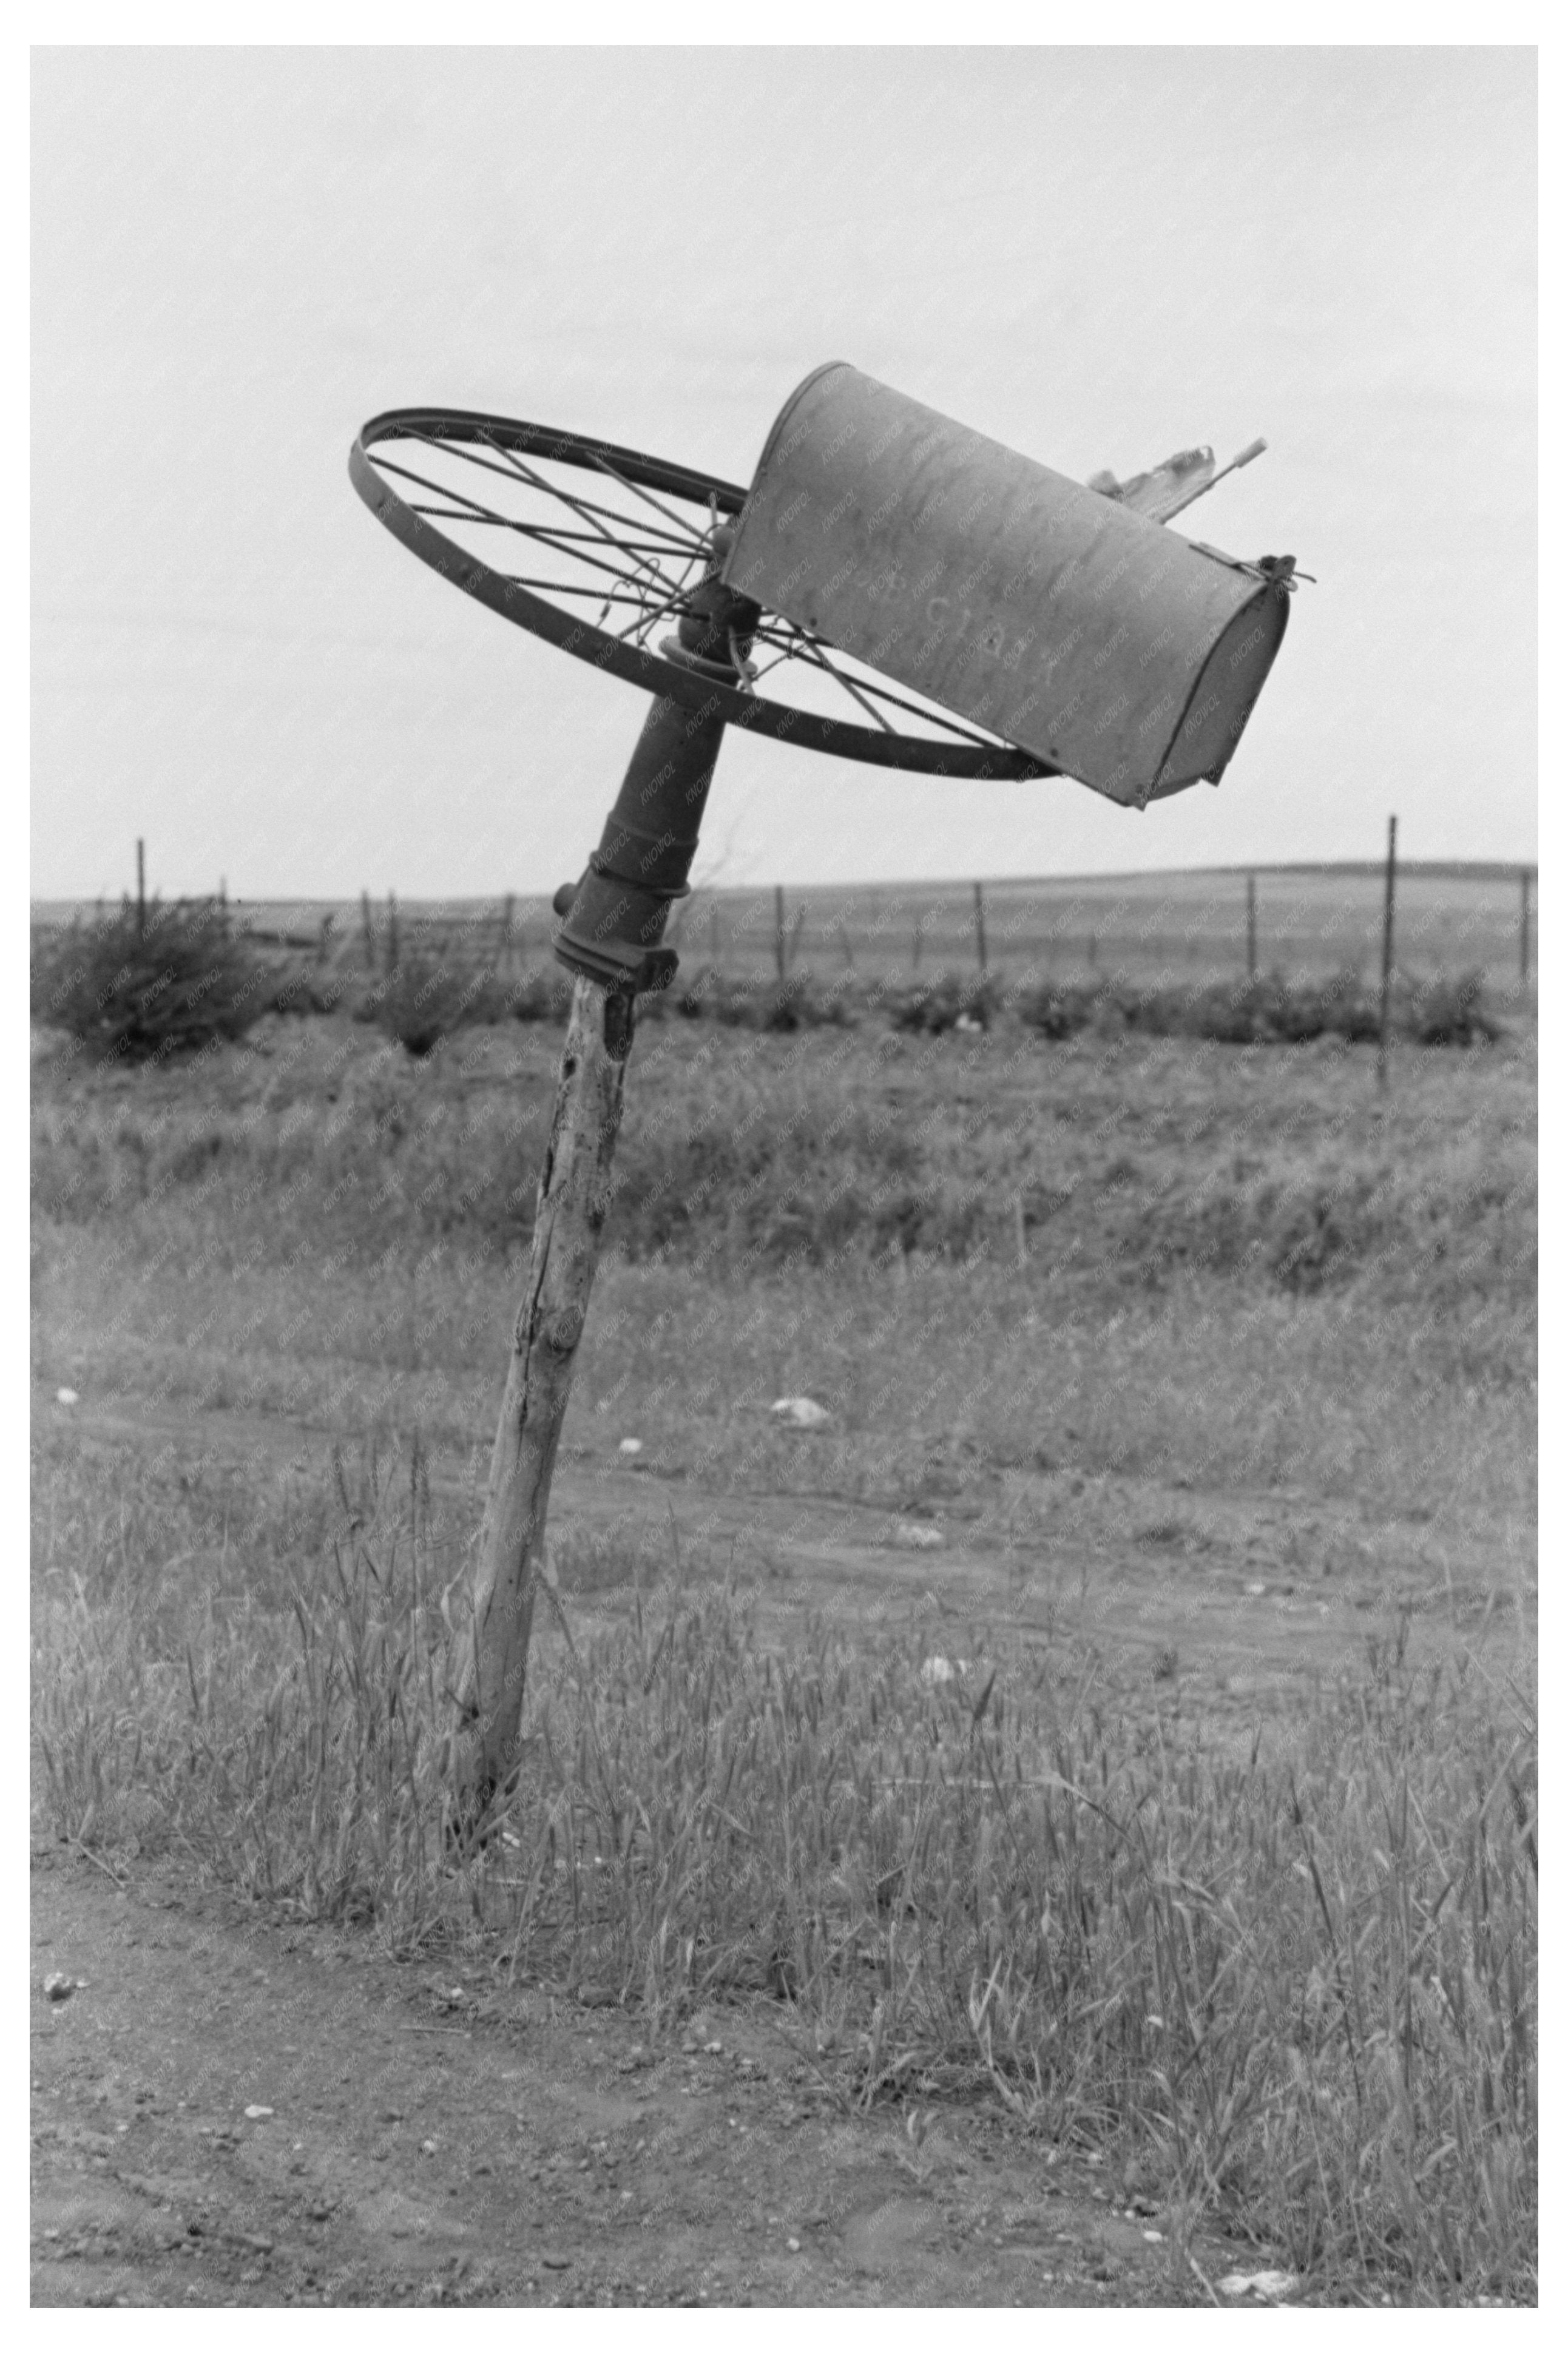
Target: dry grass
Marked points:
1297	1990
1297	1987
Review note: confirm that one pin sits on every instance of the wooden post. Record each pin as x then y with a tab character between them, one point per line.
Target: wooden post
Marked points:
1387	962
223	905
1251	928
713	934
503	957
141	889
391	931
979	927
1524	927
781	944
574	1197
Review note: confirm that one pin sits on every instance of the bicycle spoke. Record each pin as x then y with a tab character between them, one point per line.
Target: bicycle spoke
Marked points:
515	471
542	533
638	492
801	647
585	507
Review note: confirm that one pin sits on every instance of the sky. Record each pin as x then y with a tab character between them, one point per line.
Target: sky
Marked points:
1095	256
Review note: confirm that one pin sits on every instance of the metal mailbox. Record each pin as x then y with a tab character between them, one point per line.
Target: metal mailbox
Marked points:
1098	640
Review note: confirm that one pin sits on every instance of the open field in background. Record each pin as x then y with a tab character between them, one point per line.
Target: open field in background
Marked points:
1181	1408
1155	929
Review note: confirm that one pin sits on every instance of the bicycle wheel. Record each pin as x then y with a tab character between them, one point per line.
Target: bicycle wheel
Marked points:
608	547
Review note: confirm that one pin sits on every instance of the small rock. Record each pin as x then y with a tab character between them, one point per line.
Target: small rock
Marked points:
257	2115
800	1413
67	1396
1270	2285
915	1538
556	2263
429	2147
631	1446
1253	1592
793	2245
58	1986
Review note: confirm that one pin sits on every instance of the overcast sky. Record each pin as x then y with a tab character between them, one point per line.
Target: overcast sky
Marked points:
1096	256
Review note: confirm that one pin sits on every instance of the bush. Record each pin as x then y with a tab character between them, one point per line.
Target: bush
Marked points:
949	1002
802	1002
140	992
424	1001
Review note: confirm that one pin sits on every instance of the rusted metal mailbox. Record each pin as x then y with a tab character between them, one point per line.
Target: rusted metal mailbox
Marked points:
1091	636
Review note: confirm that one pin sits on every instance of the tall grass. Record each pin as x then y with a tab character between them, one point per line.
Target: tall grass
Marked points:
1299	1985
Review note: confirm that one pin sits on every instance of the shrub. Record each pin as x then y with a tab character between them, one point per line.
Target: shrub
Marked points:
143	991
424	1001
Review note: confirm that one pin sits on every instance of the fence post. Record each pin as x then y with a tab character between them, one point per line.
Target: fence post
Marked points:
370	931
1387	962
713	936
503	954
391	931
780	941
1251	928
979	927
141	889
223	906
1524	927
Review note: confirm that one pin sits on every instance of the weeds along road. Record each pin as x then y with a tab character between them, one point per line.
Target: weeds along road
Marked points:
1234	1605
434	2137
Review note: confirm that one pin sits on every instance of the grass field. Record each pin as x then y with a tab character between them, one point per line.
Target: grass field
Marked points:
1124	1708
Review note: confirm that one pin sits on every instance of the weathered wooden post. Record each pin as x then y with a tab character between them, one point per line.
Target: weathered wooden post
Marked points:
614	922
1524	927
1251	928
780	936
1387	962
980	928
141	889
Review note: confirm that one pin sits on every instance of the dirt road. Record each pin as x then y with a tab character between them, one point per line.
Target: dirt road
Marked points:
225	2113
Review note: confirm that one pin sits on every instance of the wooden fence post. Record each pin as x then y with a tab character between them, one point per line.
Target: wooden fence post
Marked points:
780	941
391	931
370	931
979	927
141	889
1387	962
1251	928
1524	926
503	954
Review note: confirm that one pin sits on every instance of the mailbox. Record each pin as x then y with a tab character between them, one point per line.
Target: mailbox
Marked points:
1098	640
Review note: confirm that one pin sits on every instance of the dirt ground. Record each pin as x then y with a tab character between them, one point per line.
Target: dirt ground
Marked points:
225	2113
416	2139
